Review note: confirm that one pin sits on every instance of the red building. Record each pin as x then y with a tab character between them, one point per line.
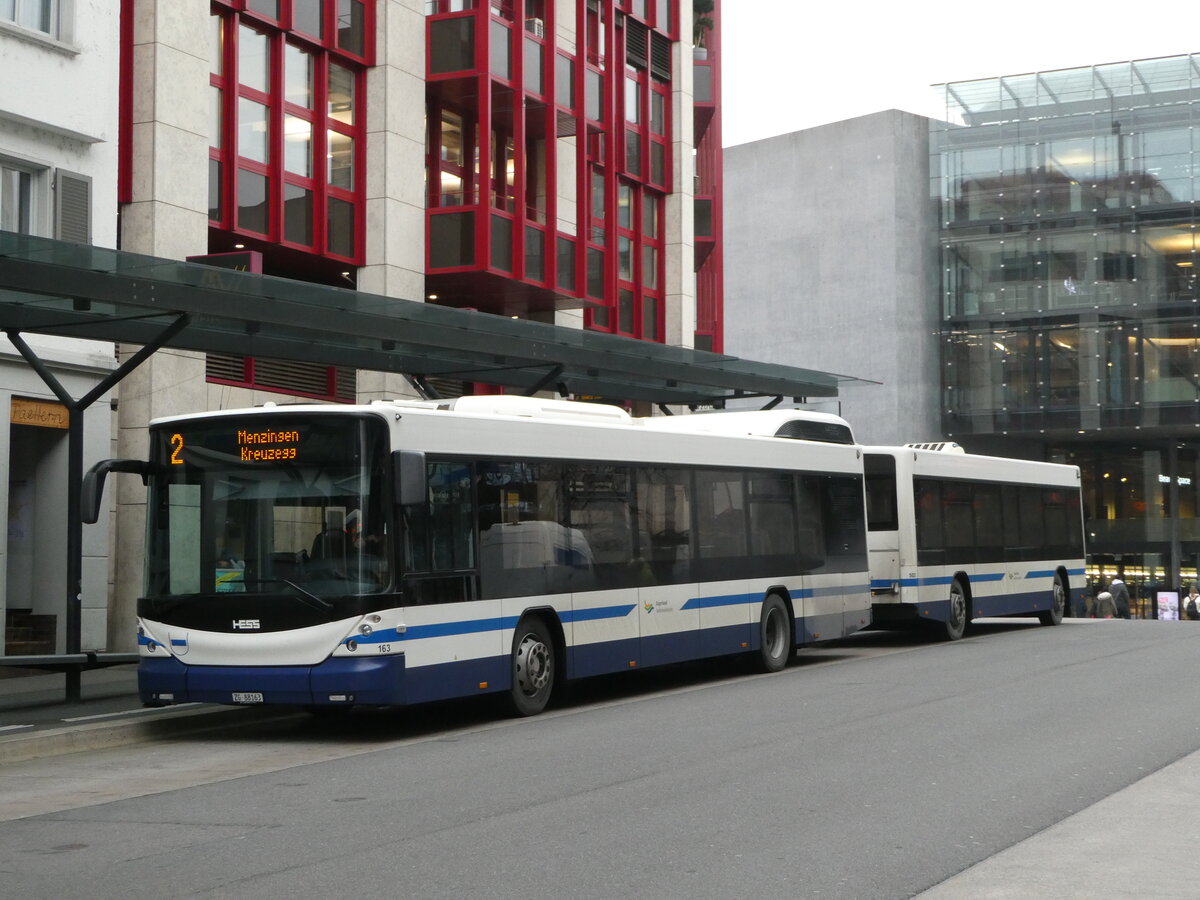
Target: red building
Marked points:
568	148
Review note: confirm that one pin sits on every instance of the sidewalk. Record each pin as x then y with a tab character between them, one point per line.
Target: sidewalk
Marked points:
1131	844
36	720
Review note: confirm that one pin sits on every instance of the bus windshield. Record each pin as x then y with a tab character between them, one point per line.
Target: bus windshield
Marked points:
291	504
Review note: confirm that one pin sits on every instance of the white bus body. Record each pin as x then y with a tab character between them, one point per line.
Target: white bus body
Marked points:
954	536
553	540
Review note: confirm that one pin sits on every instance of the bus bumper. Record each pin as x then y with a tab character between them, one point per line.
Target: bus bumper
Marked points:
338	681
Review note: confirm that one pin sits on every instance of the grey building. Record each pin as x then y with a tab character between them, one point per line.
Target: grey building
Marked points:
830	251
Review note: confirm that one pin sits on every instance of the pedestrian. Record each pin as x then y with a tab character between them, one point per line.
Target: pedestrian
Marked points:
1190	608
1120	595
1105	607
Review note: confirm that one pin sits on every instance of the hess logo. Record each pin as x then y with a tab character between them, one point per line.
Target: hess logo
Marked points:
246	625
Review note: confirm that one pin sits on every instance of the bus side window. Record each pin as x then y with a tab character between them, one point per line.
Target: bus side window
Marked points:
881	492
811	523
721	525
664	518
772	515
928	505
599	512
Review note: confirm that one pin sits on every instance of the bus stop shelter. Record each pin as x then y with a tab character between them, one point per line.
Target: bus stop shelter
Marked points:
71	290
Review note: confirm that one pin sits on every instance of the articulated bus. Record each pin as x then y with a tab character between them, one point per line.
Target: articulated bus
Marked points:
411	551
955	536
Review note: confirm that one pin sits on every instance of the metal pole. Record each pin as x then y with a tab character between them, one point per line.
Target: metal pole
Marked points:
75	409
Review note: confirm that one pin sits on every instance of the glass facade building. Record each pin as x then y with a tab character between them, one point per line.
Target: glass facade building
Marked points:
1067	206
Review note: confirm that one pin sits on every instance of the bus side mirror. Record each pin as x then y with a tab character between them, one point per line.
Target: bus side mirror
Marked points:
93	483
408	477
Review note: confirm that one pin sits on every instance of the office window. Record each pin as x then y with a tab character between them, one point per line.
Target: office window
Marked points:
287	134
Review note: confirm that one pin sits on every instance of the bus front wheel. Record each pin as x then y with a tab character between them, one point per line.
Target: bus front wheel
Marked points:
532	668
774	635
957	615
1058	604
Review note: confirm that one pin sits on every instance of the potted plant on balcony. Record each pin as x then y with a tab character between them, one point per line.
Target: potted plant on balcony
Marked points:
701	23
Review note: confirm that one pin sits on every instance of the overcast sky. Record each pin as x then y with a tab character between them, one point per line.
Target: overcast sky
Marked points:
793	64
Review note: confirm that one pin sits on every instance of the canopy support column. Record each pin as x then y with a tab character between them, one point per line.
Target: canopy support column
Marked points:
75	409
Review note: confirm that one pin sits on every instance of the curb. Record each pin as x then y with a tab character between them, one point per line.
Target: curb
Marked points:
164	724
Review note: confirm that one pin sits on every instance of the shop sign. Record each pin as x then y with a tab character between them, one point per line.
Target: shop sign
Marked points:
39	413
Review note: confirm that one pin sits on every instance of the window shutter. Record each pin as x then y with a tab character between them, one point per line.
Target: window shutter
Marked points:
635	43
660	56
72	207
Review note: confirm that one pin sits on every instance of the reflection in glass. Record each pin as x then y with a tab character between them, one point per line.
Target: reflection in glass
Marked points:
341	160
624	205
501	50
216	209
633	152
253	60
534	67
625	312
341	227
298	74
624	258
566	264
502	239
451	240
650	205
268	8
564	87
351	25
252	201
650	266
297	145
306	17
535	268
252	130
216	134
650	318
216	43
341	94
451	45
297	214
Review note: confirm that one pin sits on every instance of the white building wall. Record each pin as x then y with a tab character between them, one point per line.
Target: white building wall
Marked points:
58	114
829	265
59	103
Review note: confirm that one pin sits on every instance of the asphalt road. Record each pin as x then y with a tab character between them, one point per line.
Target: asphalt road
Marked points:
876	768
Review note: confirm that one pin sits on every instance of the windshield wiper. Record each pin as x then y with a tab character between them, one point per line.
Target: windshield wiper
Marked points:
306	596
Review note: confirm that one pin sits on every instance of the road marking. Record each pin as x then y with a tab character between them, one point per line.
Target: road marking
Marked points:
13	727
127	712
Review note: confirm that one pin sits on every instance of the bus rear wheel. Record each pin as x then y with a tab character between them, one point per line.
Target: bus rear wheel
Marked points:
957	615
774	635
533	668
1058	604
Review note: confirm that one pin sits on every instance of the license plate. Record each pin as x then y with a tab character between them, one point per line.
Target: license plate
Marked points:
247	698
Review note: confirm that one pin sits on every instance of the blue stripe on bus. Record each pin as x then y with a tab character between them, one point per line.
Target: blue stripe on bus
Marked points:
478	626
599	612
721	600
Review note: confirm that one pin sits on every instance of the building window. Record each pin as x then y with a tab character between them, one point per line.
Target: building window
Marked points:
36	15
21	198
287	141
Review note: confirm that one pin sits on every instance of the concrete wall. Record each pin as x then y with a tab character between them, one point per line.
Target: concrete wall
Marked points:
830	265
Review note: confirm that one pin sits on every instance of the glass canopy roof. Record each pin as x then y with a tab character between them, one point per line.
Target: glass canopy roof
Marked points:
53	287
